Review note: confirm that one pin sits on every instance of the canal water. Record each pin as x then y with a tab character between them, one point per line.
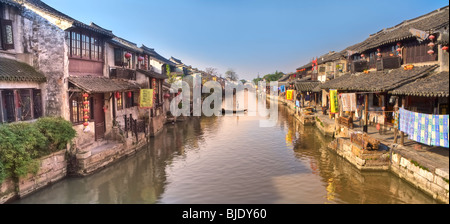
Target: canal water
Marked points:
222	160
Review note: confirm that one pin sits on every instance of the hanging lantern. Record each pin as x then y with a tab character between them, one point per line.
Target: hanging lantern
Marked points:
399	44
85	95
105	108
117	95
399	49
129	94
362	55
431	37
86	117
140	58
391	54
431	44
85	124
445	48
85	102
378	49
379	54
85	110
430	52
128	55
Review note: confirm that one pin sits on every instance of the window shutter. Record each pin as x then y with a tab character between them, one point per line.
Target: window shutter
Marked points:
7	34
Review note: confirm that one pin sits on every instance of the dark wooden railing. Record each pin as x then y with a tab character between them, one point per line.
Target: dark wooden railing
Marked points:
122	73
134	126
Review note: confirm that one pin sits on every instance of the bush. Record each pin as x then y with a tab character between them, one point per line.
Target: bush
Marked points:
58	131
22	143
19	146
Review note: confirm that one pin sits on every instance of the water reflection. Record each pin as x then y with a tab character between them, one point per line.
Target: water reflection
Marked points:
233	160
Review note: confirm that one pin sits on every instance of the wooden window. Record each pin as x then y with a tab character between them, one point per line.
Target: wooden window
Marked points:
76	109
120	102
6	33
118	57
37	100
130	100
25	112
85	45
416	52
85	50
20	104
75	44
94	48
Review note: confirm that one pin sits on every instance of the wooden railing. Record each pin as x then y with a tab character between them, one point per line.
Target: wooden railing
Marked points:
134	126
122	73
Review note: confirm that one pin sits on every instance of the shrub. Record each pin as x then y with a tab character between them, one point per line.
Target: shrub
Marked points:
19	147
22	143
58	132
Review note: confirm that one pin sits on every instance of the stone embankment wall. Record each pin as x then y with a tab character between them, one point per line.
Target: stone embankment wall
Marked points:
52	169
433	181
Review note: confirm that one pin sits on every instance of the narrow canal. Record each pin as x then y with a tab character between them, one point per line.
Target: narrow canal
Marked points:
233	160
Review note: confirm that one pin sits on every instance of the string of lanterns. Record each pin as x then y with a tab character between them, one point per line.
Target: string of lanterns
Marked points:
86	112
431	44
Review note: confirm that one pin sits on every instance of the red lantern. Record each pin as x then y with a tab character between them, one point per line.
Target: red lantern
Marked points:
445	48
399	49
379	54
86	117
85	123
85	95
430	52
431	37
85	102
129	94
117	95
399	44
85	110
378	49
128	55
140	58
362	55
105	108
431	44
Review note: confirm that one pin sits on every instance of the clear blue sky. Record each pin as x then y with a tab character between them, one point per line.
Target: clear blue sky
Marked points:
251	36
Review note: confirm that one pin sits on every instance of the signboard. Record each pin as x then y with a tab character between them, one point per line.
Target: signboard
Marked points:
146	98
289	94
419	33
334	101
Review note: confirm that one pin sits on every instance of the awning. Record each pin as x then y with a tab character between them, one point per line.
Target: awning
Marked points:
94	84
12	70
307	86
380	81
434	85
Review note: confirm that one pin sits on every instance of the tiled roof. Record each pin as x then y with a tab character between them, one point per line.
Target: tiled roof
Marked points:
430	22
434	85
306	86
11	70
39	5
377	81
125	44
152	74
10	2
156	56
95	84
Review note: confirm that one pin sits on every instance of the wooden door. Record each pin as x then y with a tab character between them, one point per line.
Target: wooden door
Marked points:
99	116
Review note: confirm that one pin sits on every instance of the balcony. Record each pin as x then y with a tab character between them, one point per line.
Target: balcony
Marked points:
359	66
122	73
390	62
